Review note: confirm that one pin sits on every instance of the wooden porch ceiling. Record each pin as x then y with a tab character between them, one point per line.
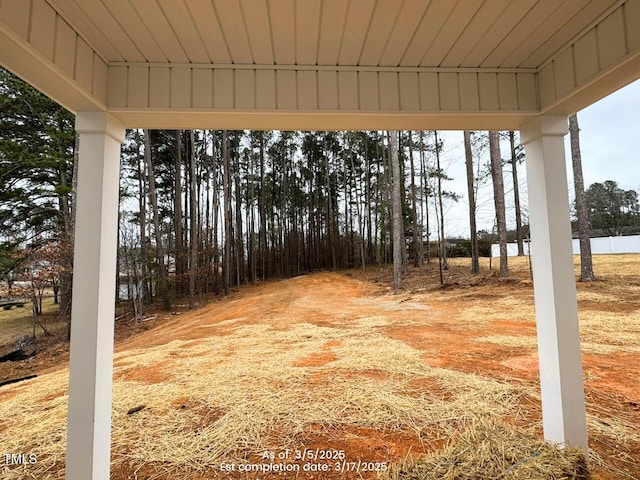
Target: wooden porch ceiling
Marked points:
520	34
323	63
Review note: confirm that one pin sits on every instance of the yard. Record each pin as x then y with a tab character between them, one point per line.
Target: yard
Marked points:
331	375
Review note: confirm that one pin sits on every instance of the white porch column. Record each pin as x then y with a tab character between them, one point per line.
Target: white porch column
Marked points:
562	389
92	314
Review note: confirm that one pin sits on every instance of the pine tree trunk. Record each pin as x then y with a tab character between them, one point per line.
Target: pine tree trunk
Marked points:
239	235
378	220
475	261
361	220
348	231
516	194
216	215
66	278
417	233
330	219
387	204
498	197
403	239
252	224
263	213
425	195
584	224
367	200
396	202
193	217
443	247
226	191
177	213
145	294
208	242
162	274
66	208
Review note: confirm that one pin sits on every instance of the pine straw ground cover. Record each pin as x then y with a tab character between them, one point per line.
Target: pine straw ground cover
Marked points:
244	388
494	450
213	407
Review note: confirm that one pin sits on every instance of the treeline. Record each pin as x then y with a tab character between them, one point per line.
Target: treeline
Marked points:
203	212
207	211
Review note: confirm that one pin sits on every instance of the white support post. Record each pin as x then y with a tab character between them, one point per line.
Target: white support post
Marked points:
92	313
562	389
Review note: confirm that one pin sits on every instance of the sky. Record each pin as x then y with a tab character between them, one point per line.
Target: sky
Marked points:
609	137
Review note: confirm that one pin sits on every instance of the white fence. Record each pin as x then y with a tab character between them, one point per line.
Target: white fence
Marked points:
628	244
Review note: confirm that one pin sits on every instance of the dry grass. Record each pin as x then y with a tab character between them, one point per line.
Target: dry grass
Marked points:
17	322
214	407
510	341
494	450
587	347
611	328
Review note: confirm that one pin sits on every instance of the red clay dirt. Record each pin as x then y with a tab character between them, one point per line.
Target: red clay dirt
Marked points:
611	380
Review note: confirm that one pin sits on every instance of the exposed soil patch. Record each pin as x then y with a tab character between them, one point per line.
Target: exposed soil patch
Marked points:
315	360
156	373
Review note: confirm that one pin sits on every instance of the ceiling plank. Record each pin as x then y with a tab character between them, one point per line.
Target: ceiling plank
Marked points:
483	21
206	21
358	17
256	16
157	23
530	23
81	22
504	23
307	30
185	30
383	22
461	15
427	31
103	20
130	21
409	19
234	30
559	30
331	30
282	14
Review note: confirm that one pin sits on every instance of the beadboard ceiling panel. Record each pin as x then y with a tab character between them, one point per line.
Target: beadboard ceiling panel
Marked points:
381	57
351	33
